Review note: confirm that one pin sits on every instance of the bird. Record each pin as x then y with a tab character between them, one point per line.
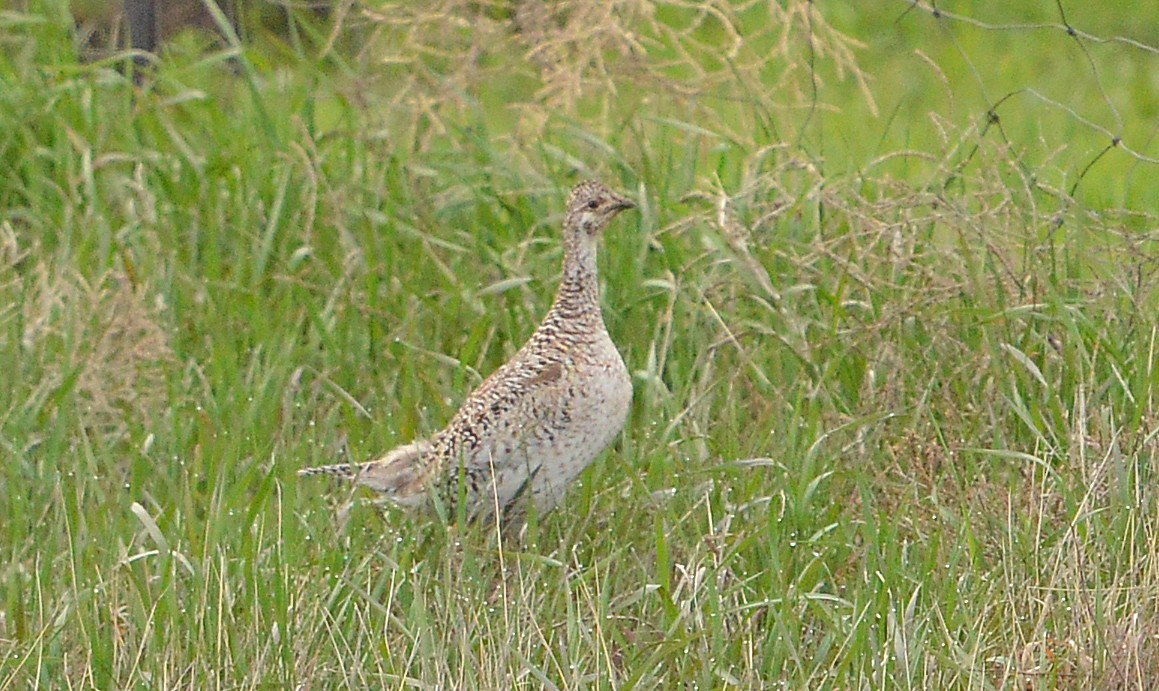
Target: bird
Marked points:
525	434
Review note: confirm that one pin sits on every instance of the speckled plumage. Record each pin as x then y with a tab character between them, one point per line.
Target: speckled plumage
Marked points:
541	418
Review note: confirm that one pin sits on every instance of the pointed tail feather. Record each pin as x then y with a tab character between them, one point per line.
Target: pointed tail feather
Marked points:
400	474
345	471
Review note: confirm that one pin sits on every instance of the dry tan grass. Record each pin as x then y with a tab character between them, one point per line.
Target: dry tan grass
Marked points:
116	348
685	60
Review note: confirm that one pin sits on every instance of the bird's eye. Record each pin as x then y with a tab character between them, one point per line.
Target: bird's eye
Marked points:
594	204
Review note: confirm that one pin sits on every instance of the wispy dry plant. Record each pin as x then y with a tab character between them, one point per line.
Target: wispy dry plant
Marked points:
114	351
684	59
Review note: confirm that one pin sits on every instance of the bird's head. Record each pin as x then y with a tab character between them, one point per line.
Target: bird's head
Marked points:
591	206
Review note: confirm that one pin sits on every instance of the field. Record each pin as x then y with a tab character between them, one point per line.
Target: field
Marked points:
889	303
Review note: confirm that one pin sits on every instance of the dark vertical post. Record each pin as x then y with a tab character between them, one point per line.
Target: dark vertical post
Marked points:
142	18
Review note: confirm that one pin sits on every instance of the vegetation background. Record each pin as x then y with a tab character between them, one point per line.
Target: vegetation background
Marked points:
889	303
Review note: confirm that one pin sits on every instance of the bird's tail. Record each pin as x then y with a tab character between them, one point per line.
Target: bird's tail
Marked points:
345	471
400	474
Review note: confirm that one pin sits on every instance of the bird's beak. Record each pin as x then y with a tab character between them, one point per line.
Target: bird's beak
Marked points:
623	204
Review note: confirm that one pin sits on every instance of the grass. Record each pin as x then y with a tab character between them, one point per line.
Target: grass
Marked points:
894	421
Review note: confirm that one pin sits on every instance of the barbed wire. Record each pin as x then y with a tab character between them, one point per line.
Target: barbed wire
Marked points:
1064	26
1115	133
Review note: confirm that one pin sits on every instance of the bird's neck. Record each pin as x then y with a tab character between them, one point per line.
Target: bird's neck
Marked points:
579	287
